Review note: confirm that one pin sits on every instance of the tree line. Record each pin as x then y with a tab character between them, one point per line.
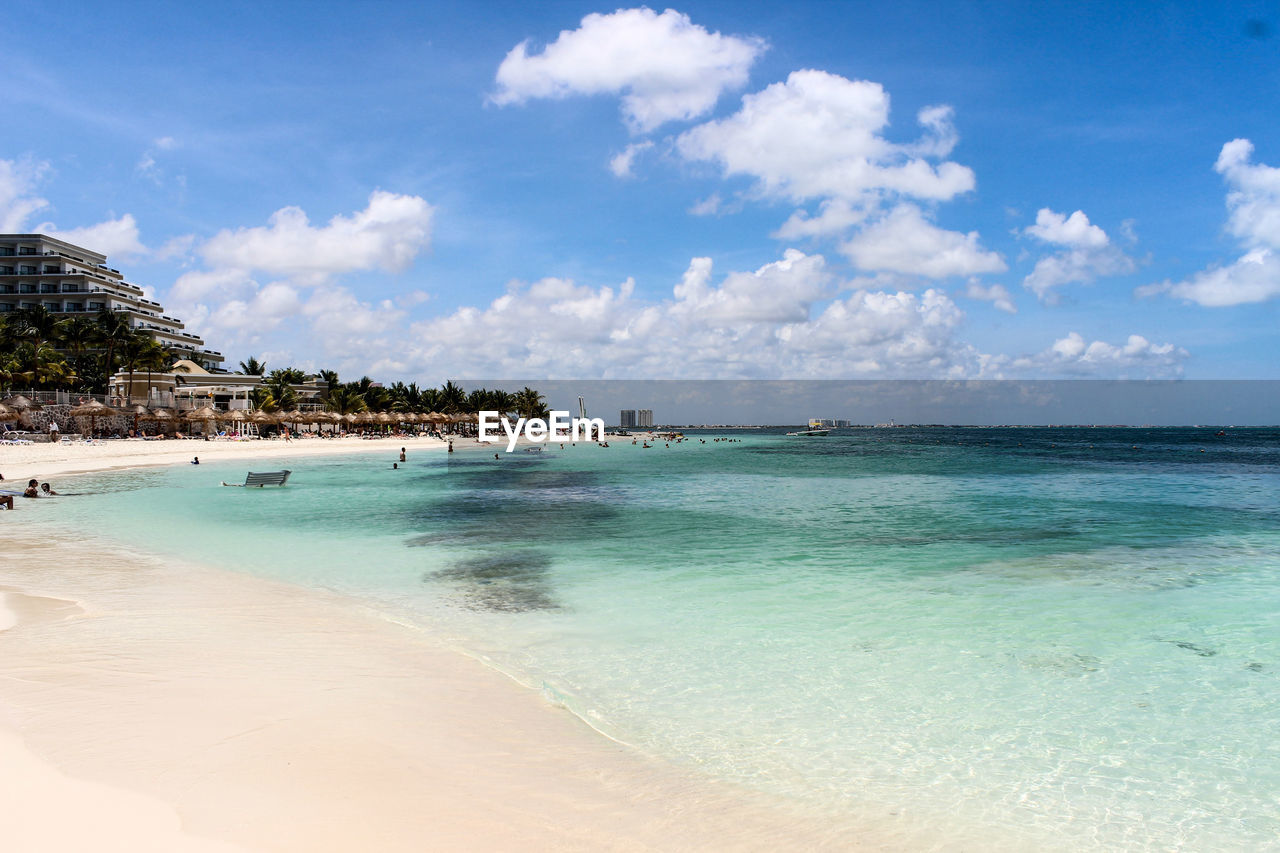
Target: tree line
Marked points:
44	351
365	395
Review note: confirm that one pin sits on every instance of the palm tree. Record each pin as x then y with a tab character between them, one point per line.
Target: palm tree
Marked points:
114	330
452	398
345	400
253	367
530	404
139	349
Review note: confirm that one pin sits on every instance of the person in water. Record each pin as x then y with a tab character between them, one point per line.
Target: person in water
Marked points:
402	454
33	489
195	461
45	490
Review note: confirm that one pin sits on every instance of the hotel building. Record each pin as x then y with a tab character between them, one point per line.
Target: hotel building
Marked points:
41	271
644	418
627	418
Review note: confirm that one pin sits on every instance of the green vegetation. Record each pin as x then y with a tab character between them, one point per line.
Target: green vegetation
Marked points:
40	350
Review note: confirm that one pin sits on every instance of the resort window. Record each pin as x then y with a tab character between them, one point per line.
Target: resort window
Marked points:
26	270
53	306
74	306
26	250
6	306
96	306
48	288
7	288
6	252
52	270
6	271
28	306
26	287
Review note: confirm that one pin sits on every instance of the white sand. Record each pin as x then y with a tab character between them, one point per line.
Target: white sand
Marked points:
146	705
19	463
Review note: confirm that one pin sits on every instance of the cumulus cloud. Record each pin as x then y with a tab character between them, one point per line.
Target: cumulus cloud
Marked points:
749	323
664	66
996	294
622	162
1073	230
388	234
819	135
1137	357
18	199
1255	277
1253	202
835	216
905	242
1086	254
117	237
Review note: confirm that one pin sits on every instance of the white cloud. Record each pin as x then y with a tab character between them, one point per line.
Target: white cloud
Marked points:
18	199
777	293
818	136
904	241
1087	254
665	67
835	216
1062	230
1254	205
996	294
707	206
1255	277
1136	358
388	234
115	237
621	163
757	323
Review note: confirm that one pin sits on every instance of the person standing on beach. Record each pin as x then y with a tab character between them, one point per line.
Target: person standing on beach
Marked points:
53	431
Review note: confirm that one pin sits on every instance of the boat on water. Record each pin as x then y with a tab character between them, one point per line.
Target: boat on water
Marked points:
809	432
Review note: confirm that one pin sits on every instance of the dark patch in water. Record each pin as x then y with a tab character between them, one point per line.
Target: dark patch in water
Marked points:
1192	647
509	582
1254	667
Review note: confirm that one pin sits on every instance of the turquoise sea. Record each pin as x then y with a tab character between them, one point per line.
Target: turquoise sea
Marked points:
1066	639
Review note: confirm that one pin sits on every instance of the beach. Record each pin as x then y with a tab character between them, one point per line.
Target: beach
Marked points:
149	704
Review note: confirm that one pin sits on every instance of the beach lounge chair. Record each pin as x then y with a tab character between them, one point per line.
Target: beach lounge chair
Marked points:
263	478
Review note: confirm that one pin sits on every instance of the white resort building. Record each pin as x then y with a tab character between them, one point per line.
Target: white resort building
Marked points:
37	270
41	271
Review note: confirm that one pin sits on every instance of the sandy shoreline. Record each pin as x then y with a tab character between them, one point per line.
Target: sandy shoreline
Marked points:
176	707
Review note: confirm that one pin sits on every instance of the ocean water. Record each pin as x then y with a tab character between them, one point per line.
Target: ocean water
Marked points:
1044	639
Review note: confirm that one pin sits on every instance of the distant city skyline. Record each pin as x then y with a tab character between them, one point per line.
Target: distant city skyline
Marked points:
721	191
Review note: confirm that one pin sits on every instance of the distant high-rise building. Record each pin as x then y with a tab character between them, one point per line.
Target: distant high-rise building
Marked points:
644	418
627	418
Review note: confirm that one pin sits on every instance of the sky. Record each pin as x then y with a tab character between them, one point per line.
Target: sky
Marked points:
811	190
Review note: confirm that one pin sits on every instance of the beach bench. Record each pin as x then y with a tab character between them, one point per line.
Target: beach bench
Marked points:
263	478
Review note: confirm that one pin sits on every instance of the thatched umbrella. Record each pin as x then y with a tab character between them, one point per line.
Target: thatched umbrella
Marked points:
138	411
22	405
160	415
205	414
93	410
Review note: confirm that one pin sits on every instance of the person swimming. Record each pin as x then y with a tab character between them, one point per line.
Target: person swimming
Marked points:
195	461
45	490
33	489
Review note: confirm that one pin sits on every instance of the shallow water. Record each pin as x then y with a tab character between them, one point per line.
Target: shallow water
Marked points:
1067	638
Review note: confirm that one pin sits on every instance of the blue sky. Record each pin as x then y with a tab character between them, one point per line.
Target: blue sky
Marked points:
1017	190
